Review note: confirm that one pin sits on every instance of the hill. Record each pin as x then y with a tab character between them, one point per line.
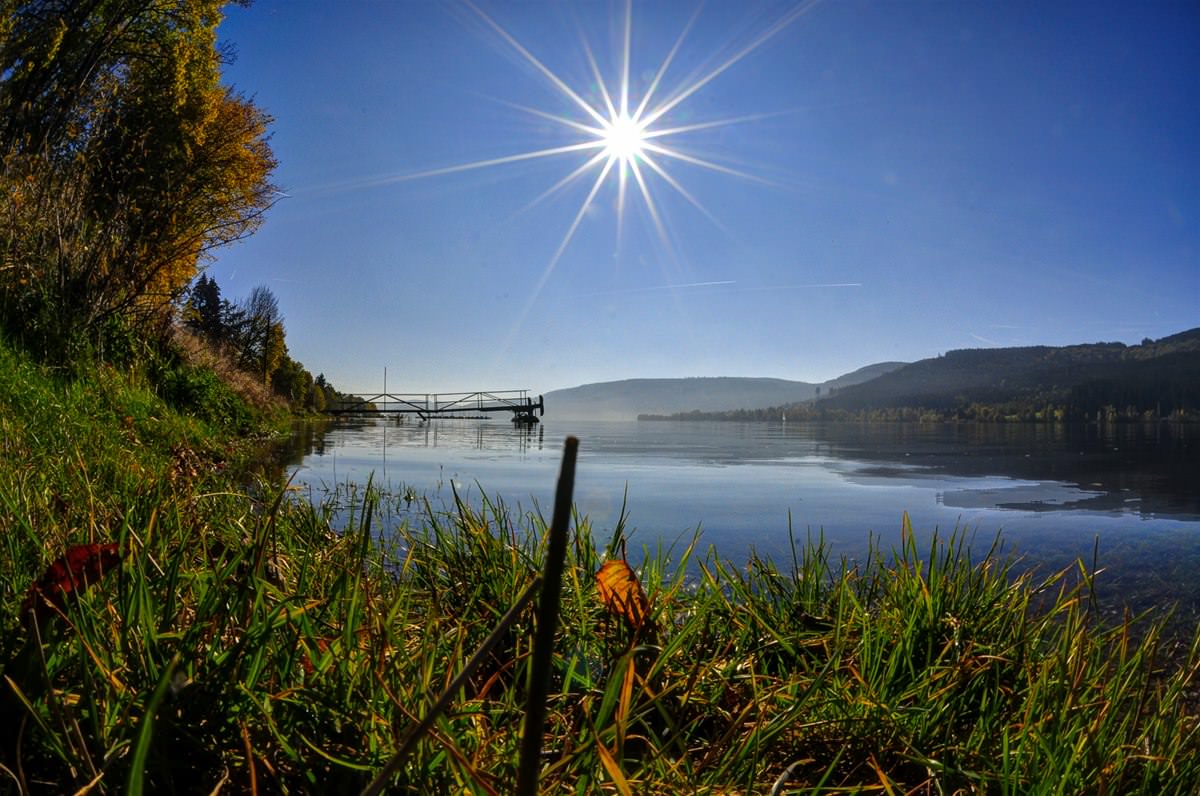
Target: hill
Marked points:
626	399
1158	376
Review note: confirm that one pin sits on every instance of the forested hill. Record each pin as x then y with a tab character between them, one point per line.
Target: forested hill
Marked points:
625	400
1157	377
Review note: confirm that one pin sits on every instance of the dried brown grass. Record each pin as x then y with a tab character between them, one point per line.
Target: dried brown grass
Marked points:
198	352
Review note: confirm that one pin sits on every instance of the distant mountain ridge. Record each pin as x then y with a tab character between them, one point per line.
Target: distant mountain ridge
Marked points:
626	399
1157	375
1156	378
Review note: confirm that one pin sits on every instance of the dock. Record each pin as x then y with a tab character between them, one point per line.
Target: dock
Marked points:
523	407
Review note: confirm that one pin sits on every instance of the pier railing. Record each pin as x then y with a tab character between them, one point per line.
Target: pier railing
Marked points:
456	404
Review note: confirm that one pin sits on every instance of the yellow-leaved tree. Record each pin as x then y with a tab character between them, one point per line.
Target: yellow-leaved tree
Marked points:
125	163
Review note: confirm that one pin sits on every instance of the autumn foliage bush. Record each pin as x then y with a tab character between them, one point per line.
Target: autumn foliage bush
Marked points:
123	163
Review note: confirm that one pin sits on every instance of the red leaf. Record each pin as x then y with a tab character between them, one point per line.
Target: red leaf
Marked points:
322	646
83	565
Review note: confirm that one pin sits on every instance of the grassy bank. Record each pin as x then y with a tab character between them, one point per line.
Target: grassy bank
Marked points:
229	638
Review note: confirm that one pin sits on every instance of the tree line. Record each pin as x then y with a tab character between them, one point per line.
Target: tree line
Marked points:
1095	402
1160	386
819	412
1100	382
251	335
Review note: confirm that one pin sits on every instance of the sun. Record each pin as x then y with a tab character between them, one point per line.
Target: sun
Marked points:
624	139
627	139
632	148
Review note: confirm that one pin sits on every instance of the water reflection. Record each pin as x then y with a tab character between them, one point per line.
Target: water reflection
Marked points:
317	438
480	436
1055	492
1149	470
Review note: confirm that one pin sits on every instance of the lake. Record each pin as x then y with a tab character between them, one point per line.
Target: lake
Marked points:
1055	492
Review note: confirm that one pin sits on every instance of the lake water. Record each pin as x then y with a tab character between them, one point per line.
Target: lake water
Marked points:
1053	491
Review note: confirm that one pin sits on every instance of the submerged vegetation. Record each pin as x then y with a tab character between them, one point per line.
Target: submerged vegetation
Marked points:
219	636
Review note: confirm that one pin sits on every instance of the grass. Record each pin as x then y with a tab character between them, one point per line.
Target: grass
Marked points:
243	644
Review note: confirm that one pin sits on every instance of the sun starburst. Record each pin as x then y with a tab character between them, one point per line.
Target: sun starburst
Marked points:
628	146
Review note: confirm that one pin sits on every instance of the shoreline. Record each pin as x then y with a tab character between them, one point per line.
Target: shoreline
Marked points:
238	638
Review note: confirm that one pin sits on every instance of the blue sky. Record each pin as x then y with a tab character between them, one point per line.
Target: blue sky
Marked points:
897	179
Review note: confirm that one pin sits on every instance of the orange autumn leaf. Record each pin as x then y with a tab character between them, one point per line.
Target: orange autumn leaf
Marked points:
621	593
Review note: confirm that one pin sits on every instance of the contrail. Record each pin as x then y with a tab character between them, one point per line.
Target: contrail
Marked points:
682	286
802	287
654	288
719	283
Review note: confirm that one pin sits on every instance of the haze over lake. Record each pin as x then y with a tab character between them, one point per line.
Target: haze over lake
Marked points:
1054	491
